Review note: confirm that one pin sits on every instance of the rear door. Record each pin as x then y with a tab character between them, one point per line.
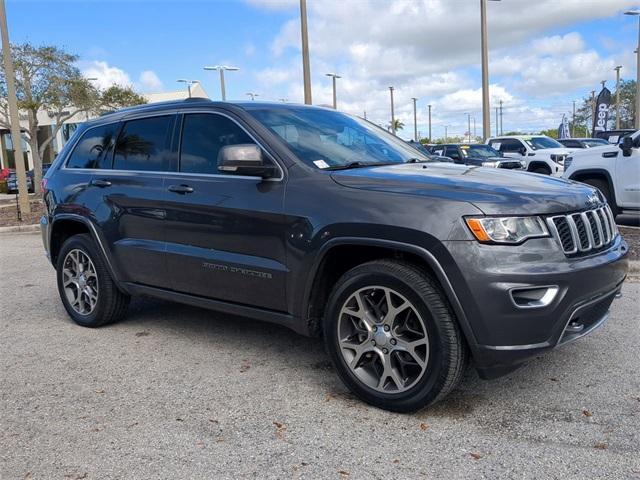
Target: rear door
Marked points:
628	178
130	211
225	232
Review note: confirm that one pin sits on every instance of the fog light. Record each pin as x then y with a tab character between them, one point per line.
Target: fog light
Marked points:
533	297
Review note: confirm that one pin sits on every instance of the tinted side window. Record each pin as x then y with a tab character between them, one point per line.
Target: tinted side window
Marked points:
144	144
94	148
203	135
510	145
452	152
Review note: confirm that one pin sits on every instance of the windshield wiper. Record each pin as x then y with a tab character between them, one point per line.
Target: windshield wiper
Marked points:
351	165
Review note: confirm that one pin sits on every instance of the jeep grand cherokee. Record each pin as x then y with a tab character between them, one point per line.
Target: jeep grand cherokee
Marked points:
325	223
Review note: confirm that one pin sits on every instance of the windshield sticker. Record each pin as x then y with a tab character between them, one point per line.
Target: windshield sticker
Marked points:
496	145
321	164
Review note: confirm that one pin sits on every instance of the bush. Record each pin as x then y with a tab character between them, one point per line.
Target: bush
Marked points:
3	186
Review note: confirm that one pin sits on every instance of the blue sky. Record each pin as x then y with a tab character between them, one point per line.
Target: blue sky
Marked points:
543	54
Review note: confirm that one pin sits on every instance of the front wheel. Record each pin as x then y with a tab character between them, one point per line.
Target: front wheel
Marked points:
392	336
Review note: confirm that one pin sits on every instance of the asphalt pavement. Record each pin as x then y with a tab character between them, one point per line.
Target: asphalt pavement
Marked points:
179	392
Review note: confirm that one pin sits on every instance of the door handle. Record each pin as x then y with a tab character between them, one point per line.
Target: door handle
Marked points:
182	189
100	183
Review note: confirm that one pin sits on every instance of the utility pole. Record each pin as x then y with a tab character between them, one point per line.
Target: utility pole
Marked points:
393	117
486	112
445	132
617	69
637	52
306	69
333	77
497	122
501	131
365	114
474	129
12	99
415	119
573	121
469	127
430	139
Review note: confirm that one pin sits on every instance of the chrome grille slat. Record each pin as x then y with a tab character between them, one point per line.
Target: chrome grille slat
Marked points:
582	232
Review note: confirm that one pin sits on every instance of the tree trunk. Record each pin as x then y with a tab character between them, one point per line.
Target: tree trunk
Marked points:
35	153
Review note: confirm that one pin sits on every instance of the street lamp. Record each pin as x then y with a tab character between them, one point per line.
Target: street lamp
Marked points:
485	70
221	69
252	95
415	119
333	78
617	69
468	126
188	82
637	13
430	139
393	117
445	132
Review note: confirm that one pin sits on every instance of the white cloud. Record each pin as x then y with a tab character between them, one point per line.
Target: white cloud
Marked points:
106	75
149	81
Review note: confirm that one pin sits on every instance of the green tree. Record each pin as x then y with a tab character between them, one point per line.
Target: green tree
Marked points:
397	123
47	80
627	104
552	132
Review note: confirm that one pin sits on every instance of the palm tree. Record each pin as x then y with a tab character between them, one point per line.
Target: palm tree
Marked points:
397	123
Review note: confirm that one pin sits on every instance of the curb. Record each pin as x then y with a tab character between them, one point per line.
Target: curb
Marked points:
21	228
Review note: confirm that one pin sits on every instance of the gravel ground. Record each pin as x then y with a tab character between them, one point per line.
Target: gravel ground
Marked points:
178	392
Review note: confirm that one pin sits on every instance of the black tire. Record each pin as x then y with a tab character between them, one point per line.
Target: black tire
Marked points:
111	304
447	349
541	170
603	186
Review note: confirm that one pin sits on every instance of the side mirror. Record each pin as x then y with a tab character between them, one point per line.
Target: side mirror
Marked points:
244	159
626	146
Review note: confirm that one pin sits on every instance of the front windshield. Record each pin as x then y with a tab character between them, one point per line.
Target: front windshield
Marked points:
484	151
328	139
540	143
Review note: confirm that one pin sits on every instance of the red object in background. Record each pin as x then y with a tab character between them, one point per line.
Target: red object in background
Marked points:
4	173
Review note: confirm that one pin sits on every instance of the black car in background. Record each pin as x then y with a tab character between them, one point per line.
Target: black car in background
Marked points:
427	152
479	155
583	142
12	183
615	136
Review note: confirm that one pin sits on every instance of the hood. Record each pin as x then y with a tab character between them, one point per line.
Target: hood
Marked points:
555	151
595	151
495	191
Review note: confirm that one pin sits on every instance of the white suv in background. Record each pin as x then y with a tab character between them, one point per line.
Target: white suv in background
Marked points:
614	169
540	153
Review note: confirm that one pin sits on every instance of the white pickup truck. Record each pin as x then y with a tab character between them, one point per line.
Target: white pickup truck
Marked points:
614	169
540	154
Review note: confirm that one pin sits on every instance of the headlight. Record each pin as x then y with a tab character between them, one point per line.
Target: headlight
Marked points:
490	164
506	229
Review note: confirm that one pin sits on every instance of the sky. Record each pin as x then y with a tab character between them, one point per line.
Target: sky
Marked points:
543	54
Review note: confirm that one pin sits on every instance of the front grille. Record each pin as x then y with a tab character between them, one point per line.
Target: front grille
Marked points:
510	165
585	232
558	158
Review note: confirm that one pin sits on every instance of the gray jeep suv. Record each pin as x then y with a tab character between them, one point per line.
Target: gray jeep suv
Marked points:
406	269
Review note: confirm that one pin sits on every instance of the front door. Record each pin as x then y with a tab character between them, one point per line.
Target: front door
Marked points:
628	178
225	233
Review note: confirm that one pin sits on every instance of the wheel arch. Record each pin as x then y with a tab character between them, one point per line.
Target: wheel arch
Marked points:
66	225
348	252
596	173
539	164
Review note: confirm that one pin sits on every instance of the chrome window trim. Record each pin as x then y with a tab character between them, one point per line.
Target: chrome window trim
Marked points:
141	115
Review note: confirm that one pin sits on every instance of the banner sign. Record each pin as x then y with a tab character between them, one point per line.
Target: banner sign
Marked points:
563	129
602	111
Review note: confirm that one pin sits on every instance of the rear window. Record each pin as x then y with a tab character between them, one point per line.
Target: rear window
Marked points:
144	145
93	149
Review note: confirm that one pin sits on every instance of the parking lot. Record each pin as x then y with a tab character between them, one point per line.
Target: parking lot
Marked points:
178	392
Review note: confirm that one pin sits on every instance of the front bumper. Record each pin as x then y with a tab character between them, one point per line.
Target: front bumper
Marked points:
504	334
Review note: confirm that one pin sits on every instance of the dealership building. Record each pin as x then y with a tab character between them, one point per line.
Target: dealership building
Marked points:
46	122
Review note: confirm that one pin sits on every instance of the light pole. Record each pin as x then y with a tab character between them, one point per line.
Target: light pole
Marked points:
573	121
12	100
593	111
393	117
486	120
474	129
497	122
501	131
617	69
306	69
468	126
637	13
415	119
221	69
188	82
430	139
445	132
252	95
333	78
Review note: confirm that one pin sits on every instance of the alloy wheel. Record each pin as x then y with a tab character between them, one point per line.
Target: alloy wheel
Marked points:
383	339
80	282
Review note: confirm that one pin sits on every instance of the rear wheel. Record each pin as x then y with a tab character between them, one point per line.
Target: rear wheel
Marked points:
541	170
392	336
86	288
603	186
